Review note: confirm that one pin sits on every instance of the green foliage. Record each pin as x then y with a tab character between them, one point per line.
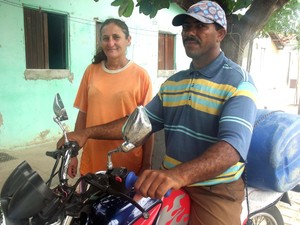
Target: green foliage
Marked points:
151	7
285	21
233	6
146	7
125	7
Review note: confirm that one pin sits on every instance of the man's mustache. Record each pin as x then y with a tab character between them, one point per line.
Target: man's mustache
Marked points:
191	38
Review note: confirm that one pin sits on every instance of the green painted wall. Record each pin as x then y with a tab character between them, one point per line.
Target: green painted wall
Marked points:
26	116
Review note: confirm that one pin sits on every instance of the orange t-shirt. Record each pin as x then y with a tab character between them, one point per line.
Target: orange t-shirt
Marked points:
105	96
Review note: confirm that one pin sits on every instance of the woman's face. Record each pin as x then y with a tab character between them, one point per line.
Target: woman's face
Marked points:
114	42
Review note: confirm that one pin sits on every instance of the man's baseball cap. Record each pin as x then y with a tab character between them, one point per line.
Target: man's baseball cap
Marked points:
205	12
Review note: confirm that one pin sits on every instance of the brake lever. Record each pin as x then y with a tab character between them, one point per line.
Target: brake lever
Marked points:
54	154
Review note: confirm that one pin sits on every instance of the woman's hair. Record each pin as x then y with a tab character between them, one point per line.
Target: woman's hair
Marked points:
100	55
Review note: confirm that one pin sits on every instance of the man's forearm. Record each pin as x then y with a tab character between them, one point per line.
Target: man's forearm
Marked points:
212	163
109	131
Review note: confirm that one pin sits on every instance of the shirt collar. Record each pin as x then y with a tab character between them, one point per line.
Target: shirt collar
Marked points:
211	69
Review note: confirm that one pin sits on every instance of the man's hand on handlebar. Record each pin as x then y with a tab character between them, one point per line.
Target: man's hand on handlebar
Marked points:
77	136
156	183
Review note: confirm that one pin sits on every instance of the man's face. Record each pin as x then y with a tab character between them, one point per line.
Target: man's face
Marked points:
201	41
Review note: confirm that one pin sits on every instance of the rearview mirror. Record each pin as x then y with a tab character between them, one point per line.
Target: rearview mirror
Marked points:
59	108
136	129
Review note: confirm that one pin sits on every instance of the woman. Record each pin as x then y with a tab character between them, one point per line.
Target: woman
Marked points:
111	88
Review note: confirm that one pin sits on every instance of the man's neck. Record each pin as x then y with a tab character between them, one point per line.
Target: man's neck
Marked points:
199	63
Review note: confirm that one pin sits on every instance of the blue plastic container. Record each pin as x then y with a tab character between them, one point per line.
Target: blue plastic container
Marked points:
274	154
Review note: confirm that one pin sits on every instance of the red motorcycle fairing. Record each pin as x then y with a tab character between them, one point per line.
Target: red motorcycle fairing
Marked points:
175	209
172	210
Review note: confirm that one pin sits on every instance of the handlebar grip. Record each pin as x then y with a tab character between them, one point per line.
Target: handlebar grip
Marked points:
131	179
53	154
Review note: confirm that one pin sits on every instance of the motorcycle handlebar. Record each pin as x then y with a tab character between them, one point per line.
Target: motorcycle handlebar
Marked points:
53	154
73	145
131	179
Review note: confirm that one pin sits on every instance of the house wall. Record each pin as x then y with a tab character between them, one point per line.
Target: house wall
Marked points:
26	105
273	71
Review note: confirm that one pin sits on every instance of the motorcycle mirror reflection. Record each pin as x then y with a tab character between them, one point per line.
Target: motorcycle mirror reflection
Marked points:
59	108
60	114
135	131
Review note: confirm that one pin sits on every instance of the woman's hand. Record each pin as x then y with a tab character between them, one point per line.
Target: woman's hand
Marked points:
72	169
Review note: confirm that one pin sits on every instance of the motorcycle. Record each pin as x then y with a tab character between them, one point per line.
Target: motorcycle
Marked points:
110	197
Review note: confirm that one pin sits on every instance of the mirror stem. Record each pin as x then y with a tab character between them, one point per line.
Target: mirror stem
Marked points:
109	161
66	138
56	120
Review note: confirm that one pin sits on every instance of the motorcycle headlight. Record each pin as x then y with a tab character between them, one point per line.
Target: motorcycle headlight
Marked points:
26	196
16	179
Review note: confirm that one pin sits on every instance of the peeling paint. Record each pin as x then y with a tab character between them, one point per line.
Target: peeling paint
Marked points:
41	138
43	134
71	78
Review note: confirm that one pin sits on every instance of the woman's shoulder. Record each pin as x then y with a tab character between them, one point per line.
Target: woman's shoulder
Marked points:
137	67
92	68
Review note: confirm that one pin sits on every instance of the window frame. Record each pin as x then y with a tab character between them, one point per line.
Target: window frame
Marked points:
166	46
46	73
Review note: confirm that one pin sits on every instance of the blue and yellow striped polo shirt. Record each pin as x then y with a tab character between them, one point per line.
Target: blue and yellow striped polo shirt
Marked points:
198	108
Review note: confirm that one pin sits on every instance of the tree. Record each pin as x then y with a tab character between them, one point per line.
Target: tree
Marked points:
286	22
242	28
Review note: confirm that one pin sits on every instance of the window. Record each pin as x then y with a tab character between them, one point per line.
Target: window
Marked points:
98	27
45	39
166	51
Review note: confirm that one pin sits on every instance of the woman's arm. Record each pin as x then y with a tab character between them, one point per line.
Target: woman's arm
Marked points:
80	121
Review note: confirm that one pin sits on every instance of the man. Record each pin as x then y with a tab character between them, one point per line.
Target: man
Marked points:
208	113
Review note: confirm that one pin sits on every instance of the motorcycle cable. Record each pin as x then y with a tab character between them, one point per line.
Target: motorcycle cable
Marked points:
145	214
53	173
89	179
107	189
56	154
